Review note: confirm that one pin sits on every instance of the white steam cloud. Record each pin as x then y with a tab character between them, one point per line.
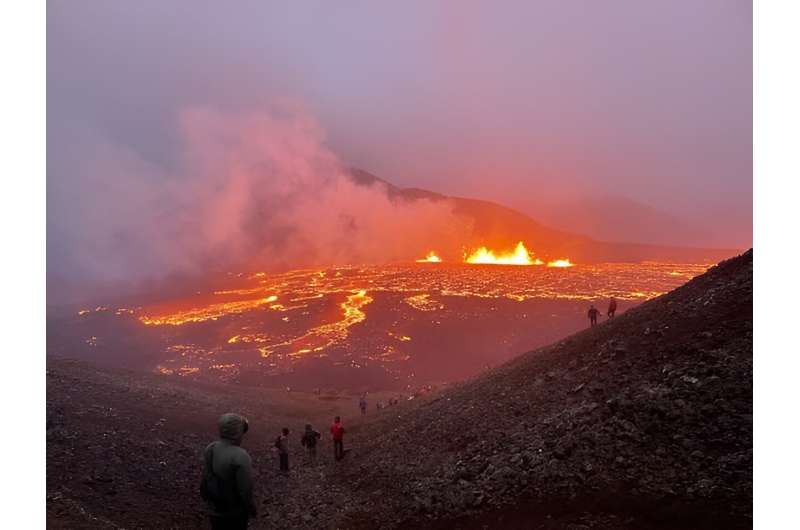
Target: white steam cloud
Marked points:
255	190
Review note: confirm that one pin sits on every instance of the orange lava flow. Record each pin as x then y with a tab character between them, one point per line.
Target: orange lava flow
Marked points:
320	337
210	312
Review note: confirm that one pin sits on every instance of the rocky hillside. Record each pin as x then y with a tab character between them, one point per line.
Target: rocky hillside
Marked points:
642	422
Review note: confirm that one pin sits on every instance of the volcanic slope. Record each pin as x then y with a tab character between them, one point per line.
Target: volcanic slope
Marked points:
644	421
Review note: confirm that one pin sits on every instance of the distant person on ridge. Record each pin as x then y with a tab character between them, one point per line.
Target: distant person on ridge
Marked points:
282	445
362	404
593	314
309	441
612	307
227	485
337	434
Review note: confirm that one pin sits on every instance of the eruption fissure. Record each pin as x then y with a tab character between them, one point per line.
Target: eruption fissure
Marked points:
485	256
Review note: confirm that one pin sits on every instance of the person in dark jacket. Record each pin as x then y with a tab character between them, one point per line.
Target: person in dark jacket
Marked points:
309	441
612	307
227	485
282	445
593	314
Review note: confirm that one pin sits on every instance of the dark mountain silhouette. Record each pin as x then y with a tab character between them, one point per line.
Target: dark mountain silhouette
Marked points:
642	422
503	227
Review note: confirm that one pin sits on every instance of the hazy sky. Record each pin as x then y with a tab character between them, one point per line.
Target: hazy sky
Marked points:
530	103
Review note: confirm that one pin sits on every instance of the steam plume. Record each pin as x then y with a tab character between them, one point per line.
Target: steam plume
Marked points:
249	189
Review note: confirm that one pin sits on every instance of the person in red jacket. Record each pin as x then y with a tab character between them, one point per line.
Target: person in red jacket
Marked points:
337	433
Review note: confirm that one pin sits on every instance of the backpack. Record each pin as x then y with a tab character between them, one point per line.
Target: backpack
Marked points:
277	442
211	485
310	439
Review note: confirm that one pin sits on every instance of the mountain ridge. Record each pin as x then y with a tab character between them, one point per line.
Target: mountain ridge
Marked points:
502	227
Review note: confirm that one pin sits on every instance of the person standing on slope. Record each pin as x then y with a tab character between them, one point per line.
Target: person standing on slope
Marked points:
362	404
227	485
593	314
612	307
309	441
282	445
337	434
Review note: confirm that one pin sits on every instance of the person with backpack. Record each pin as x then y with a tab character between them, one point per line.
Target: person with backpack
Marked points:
282	445
593	314
337	434
227	484
309	441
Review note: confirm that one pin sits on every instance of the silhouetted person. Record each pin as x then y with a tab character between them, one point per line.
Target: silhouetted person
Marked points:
593	314
309	441
362	404
227	485
612	307
337	434
282	445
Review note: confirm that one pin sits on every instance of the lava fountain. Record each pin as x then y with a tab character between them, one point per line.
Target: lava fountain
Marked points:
519	256
560	263
430	258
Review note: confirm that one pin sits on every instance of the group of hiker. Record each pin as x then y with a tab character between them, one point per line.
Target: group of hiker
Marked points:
227	485
593	312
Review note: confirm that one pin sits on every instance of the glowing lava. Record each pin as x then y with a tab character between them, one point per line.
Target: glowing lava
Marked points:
430	258
520	256
560	263
363	315
210	312
321	337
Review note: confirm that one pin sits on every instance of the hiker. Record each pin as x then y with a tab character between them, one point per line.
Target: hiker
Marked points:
282	445
227	485
362	404
612	307
337	434
309	441
593	313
